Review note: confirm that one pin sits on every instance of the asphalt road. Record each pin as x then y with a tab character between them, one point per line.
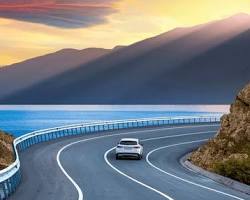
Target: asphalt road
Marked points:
85	167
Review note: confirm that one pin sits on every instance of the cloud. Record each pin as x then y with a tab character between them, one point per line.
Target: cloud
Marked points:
58	13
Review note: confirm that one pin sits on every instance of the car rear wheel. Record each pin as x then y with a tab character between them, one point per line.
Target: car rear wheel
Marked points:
117	157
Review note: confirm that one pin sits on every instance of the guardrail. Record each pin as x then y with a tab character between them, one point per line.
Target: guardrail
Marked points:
10	177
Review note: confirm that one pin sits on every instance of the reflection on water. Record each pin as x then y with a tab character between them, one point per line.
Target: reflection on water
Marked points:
23	119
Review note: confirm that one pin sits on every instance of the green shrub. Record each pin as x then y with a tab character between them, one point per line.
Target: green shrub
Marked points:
235	169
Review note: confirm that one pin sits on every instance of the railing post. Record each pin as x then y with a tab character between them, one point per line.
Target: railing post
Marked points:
1	191
24	144
28	142
5	189
59	133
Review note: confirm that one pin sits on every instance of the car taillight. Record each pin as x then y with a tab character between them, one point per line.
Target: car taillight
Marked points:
137	147
119	146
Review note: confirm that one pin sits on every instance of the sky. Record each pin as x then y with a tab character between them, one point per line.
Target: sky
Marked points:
30	28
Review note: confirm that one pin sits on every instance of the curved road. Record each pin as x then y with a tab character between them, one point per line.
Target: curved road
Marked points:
85	168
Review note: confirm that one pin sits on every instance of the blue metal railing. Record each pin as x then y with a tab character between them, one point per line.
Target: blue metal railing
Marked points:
10	177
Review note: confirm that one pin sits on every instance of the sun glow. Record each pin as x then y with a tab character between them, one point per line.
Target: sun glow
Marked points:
131	21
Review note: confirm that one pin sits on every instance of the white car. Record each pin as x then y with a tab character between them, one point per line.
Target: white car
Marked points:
129	147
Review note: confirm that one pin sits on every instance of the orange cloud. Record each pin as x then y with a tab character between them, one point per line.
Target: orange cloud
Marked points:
64	13
121	22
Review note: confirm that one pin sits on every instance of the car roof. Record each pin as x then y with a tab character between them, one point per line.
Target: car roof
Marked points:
130	139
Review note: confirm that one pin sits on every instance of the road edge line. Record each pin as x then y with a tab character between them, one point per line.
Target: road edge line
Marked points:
182	179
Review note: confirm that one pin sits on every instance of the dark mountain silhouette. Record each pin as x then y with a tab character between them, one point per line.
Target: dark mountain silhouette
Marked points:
18	76
204	64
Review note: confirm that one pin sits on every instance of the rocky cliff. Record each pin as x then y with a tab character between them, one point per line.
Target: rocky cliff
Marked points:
228	153
6	150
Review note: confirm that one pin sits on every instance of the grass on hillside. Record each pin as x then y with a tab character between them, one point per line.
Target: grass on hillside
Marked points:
238	169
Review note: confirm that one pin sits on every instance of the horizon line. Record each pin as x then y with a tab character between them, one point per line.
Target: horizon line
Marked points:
223	108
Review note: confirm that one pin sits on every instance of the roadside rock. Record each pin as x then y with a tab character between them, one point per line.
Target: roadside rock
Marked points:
6	150
228	153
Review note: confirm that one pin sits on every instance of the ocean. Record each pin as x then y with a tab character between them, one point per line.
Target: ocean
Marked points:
19	120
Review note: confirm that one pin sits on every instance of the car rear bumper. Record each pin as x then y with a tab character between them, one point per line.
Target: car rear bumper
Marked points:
128	154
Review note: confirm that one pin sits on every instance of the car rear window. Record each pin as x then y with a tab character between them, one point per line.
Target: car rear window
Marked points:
128	142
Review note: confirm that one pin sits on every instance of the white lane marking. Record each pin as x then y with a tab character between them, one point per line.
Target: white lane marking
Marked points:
133	179
144	140
182	179
178	135
80	193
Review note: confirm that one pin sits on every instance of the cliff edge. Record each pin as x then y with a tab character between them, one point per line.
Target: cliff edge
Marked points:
6	150
228	153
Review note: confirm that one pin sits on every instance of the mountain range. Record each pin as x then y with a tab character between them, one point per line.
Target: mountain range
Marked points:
204	64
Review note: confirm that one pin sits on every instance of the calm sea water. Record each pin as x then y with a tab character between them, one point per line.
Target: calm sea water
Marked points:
21	121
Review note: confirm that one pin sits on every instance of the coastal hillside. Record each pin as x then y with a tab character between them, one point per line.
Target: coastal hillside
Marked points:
6	150
228	153
204	64
16	77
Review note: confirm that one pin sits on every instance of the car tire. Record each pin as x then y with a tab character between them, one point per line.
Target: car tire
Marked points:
117	157
139	157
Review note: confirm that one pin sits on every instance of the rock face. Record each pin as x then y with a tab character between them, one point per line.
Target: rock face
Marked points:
229	152
6	150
